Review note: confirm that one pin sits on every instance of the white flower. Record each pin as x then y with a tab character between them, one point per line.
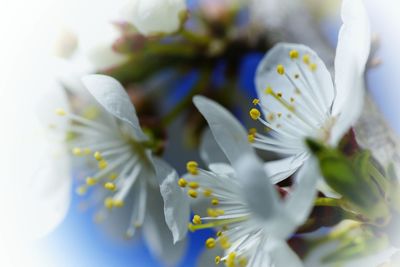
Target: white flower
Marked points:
252	220
297	95
109	137
155	16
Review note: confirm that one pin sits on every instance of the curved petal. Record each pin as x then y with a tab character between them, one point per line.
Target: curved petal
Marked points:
228	132
156	233
261	197
300	202
282	255
176	203
295	91
222	168
281	169
210	152
113	97
351	56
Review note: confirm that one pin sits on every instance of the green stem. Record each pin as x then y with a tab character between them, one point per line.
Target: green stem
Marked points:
327	202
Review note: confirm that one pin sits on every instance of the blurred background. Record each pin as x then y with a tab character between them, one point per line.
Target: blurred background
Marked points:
32	33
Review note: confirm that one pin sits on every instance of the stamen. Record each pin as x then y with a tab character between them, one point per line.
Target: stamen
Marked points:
294	54
255	113
207	192
196	220
110	186
192	193
77	151
182	182
91	181
256	101
97	155
194	185
102	164
217	260
280	69
210	243
306	59
215	201
108	203
192	167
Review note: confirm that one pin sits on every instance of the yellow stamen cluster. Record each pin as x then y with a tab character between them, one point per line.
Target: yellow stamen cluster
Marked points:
254	113
192	167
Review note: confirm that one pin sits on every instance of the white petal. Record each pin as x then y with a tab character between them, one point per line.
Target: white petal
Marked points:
261	196
113	97
300	202
210	152
228	132
311	94
222	168
49	194
207	257
155	16
351	56
176	203
281	169
283	256
156	233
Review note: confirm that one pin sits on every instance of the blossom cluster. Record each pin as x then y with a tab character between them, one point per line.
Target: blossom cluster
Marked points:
262	212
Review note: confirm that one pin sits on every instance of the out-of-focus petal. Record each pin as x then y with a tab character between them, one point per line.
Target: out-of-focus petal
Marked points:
210	152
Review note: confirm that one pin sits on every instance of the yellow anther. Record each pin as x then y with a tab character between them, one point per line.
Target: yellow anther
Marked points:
268	90
280	69
279	95
217	259
313	67
214	201
215	212
108	203
91	181
251	138
97	155
81	190
77	151
193	185
191	227
60	112
196	219
207	192
110	186
291	99
224	242
192	193
118	203
113	176
192	167
271	117
254	113
252	131
182	182
306	59
102	164
256	101
220	212
87	151
219	233
296	76
242	262
210	243
294	54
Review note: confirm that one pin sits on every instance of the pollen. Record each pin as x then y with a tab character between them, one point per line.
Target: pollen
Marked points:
60	112
182	182
102	164
192	193
207	192
306	59
254	113
194	185
192	167
97	155
256	101
210	243
118	203
251	138
294	54
214	201
77	151
110	186
196	220
313	67
280	69
91	181
108	203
